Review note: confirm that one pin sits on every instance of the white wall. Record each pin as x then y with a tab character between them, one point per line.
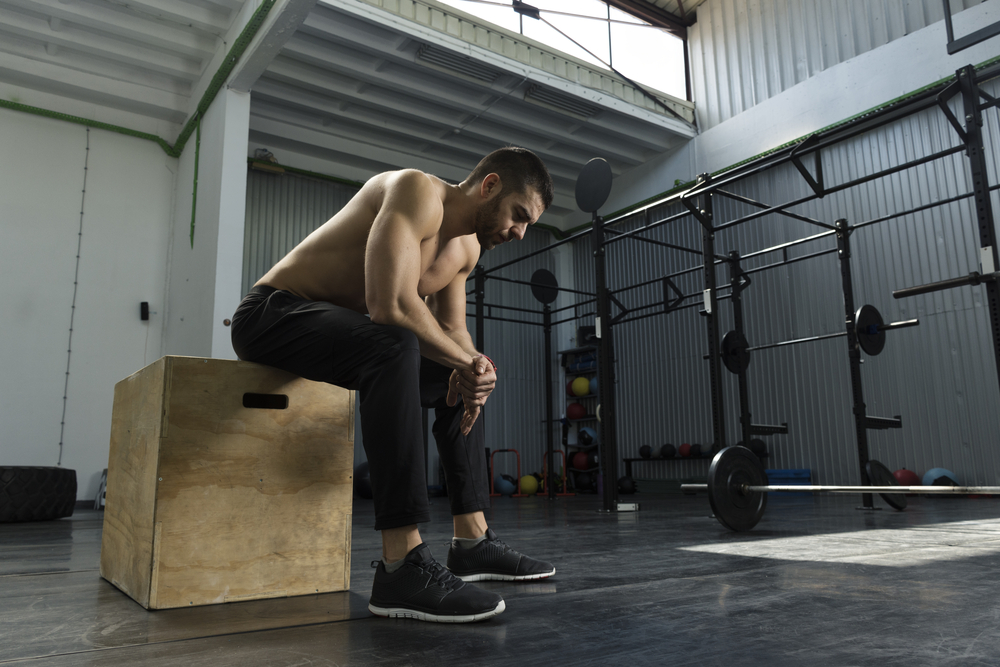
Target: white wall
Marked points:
127	211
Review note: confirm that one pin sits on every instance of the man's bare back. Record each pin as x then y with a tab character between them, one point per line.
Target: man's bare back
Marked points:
329	264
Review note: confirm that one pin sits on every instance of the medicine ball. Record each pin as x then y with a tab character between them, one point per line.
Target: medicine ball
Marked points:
595	438
685	450
668	451
584	438
586	481
575	411
363	481
626	485
940	477
645	451
504	485
569	388
593	385
907	477
758	447
580	461
696	451
581	386
529	485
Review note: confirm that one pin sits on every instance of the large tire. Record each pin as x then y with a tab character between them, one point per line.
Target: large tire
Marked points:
36	494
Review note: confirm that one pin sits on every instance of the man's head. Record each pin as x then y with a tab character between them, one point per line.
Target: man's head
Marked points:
516	188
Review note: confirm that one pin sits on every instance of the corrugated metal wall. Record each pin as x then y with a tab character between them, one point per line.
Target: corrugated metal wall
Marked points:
282	209
745	51
939	376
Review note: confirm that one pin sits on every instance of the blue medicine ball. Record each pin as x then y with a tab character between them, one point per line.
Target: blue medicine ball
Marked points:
593	385
936	473
504	485
587	433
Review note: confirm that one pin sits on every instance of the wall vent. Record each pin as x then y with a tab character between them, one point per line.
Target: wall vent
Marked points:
457	64
560	101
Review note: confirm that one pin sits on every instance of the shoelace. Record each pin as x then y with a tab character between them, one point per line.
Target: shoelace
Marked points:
439	574
442	576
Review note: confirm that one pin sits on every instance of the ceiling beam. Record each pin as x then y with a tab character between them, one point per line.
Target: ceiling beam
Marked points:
71	37
102	21
280	25
32	73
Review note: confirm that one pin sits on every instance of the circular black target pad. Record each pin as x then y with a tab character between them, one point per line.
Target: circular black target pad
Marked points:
732	469
867	322
544	286
593	185
879	475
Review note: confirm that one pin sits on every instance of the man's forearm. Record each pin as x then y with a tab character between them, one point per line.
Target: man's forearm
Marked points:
435	343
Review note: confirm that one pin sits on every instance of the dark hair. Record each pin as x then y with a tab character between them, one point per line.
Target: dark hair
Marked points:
518	169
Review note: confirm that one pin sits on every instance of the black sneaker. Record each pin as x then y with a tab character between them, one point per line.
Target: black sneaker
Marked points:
423	589
493	560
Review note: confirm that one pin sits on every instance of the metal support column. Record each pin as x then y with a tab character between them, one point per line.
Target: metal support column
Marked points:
550	422
989	259
854	352
712	316
480	307
737	282
605	372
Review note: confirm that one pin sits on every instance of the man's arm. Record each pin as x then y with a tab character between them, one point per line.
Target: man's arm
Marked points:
411	212
475	386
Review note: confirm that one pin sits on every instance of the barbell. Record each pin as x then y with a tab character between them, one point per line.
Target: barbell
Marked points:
737	488
868	325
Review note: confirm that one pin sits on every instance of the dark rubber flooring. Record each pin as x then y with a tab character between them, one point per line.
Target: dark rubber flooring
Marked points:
815	583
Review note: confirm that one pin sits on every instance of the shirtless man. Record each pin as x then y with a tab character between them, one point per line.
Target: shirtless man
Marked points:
374	300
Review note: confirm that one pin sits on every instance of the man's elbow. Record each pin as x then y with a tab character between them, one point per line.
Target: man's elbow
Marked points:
386	314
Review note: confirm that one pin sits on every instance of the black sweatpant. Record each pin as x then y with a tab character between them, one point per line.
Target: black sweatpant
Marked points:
327	343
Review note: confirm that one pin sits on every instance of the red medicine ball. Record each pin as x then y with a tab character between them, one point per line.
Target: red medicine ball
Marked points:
575	411
907	477
569	388
581	461
685	450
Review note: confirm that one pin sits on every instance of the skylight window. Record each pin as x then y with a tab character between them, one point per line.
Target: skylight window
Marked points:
594	32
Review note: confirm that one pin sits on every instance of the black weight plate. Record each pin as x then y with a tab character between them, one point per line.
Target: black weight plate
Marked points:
735	355
734	508
593	185
867	322
879	475
544	286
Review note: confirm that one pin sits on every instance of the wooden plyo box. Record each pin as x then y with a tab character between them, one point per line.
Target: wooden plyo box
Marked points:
209	501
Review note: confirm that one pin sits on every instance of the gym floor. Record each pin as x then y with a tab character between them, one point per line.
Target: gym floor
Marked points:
816	582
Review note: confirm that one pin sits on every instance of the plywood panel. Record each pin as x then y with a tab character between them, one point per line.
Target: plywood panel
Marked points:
250	503
127	541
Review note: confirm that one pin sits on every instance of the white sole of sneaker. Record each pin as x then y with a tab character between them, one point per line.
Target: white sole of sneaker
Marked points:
400	612
503	577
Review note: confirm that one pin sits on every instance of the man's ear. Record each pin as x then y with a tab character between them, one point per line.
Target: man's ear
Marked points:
490	186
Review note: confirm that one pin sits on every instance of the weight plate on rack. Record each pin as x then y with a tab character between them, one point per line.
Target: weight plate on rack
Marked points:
866	323
735	355
734	507
879	475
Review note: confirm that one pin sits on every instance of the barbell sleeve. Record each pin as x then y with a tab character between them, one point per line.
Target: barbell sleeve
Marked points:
791	488
973	278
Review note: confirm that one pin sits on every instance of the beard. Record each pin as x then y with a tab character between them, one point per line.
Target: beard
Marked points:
487	223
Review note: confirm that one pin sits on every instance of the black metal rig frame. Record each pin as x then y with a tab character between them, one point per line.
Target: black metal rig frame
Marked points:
697	202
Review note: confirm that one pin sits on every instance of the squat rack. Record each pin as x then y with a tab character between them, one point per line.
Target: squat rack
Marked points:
698	202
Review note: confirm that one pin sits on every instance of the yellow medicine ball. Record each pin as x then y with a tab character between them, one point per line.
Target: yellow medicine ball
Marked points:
581	386
529	485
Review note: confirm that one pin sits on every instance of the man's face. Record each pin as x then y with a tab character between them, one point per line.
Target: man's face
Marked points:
506	218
